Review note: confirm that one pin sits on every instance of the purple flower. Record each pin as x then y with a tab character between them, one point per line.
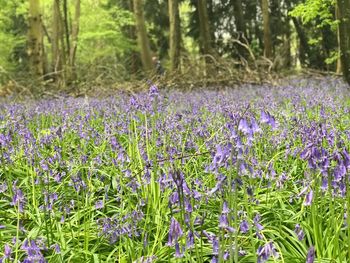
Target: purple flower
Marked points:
243	126
215	246
226	255
244	226
99	204
324	185
190	240
7	253
346	157
153	90
178	253
257	224
264	117
339	172
56	248
266	251
175	232
145	259
33	252
218	186
220	155
188	206
18	198
223	222
225	209
3	188
44	166
299	232
174	198
310	258
308	198
255	126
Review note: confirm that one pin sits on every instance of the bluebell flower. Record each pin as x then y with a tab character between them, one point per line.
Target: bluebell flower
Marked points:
178	252
223	221
324	184
153	90
266	251
257	224
346	157
264	117
215	246
308	198
226	255
339	172
56	248
7	253
299	232
175	232
225	209
310	258
190	240
254	126
144	259
218	186
244	226
99	204
188	206
243	126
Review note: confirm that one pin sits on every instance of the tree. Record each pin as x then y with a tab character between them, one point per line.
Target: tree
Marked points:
175	34
240	25
267	30
205	38
13	37
58	56
339	63
35	39
239	17
142	37
64	40
74	40
318	24
343	13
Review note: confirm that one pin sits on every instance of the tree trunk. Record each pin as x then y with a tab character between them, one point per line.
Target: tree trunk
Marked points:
204	34
339	64
175	34
304	48
58	50
267	30
286	55
35	39
240	27
205	39
74	40
343	13
142	37
239	17
66	22
136	62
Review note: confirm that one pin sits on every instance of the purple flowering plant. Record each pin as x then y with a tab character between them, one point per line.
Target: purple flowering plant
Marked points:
250	174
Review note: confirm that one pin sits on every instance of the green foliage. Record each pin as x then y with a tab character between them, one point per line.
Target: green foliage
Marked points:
333	58
12	51
102	32
320	10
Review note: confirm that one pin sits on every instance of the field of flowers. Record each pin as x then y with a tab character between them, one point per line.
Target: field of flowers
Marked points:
246	174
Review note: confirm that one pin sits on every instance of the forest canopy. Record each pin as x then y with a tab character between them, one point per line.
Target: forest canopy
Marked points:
72	42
